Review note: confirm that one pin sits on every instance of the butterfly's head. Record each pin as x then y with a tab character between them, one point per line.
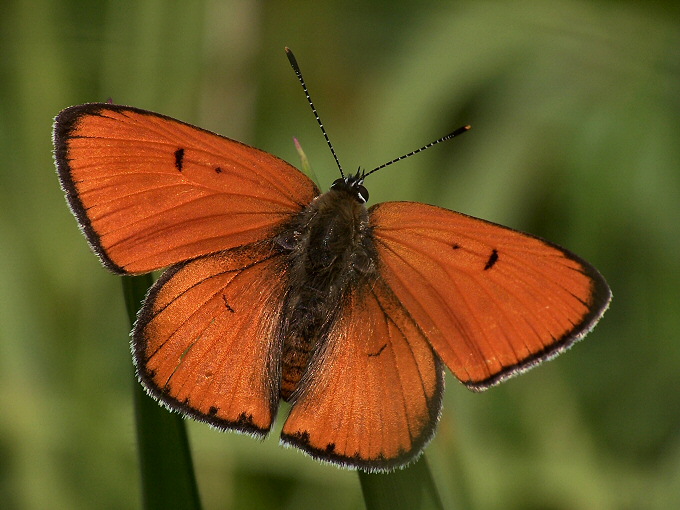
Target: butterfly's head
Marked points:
354	185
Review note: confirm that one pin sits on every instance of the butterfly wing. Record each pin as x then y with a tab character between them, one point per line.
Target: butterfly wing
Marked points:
493	302
205	340
150	191
372	393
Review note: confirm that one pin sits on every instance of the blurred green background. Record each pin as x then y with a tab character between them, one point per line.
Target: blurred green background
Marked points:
576	137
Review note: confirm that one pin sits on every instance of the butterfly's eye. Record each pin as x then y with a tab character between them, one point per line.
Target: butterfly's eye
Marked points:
362	194
338	183
352	187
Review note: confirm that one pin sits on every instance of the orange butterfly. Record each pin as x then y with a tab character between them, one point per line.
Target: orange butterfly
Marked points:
276	291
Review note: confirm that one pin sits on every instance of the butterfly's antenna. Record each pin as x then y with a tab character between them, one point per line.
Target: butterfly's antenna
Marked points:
296	68
457	132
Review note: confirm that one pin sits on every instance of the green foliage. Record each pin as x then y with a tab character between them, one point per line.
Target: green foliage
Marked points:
411	488
574	108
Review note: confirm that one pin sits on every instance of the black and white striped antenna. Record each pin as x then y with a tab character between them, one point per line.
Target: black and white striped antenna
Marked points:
296	68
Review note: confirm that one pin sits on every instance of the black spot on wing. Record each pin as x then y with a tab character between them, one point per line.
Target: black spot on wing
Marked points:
227	305
179	159
245	421
300	437
378	353
493	258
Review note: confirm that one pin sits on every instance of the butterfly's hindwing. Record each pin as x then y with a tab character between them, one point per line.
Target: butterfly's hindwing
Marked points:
205	343
372	395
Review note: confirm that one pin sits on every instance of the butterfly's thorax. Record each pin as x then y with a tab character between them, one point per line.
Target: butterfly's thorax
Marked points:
329	251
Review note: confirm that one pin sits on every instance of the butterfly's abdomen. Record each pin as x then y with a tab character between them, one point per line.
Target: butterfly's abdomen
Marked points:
329	251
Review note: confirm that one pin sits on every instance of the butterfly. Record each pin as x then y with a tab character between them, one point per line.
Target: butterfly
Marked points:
276	291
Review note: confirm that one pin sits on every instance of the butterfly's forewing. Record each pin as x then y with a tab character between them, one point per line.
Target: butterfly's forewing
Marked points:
371	396
150	191
492	301
205	341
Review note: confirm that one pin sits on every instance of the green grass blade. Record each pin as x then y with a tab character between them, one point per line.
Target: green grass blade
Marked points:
411	488
166	468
